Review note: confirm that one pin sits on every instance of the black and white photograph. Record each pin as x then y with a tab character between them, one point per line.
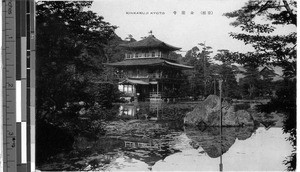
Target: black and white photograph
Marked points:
165	85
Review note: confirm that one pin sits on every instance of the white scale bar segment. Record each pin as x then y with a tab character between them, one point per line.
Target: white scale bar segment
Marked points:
18	101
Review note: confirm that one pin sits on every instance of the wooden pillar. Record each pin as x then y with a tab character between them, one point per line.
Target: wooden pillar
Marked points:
132	88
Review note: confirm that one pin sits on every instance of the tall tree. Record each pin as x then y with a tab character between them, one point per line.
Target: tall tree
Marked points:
270	48
70	43
251	84
70	50
195	81
201	62
204	55
227	72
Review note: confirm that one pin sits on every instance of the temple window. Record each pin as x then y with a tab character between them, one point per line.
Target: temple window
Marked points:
129	88
153	54
156	54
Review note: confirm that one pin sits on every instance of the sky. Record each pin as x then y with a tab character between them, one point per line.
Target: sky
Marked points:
180	30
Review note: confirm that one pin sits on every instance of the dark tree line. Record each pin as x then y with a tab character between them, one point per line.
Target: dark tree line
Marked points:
274	49
73	92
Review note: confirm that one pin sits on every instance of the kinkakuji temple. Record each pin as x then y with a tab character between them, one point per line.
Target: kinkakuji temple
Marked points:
147	72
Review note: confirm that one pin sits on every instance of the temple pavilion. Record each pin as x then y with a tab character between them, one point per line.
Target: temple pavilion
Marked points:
147	72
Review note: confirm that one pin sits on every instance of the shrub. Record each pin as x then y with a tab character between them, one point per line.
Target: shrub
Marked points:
243	106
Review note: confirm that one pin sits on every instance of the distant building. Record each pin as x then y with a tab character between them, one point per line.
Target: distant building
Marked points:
264	71
268	75
147	71
268	72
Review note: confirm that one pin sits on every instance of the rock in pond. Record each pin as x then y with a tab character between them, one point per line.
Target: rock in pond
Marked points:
244	117
208	113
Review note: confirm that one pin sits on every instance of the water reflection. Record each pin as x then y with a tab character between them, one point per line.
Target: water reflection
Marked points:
149	151
128	110
154	111
146	150
216	141
151	111
153	137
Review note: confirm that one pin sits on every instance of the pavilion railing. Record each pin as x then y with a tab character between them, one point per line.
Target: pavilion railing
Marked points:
155	95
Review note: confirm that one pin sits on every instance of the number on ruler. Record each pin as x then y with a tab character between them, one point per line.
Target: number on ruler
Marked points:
10	85
10	5
13	142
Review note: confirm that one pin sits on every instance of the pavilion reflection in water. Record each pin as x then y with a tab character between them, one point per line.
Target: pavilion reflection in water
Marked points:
152	110
215	141
150	145
149	150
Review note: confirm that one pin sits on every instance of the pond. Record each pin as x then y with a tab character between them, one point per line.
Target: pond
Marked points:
149	140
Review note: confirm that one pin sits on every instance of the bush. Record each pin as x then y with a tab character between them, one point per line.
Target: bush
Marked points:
51	140
243	106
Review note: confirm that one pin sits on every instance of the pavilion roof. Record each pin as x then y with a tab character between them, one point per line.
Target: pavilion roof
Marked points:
149	62
134	82
149	43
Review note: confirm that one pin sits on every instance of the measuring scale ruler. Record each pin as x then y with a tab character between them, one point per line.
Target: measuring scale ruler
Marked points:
18	85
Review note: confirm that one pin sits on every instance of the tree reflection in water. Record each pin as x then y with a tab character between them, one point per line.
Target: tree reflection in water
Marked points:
285	102
149	141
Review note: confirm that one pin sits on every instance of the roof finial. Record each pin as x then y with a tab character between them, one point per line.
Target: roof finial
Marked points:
129	37
150	32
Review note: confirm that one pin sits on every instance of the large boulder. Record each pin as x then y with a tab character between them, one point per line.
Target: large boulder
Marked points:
208	113
244	117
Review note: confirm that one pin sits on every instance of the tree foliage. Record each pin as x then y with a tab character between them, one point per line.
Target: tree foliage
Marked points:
199	79
258	21
227	72
251	83
204	79
285	102
72	45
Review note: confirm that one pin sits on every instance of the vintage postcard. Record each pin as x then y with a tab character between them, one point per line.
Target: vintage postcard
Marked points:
166	85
